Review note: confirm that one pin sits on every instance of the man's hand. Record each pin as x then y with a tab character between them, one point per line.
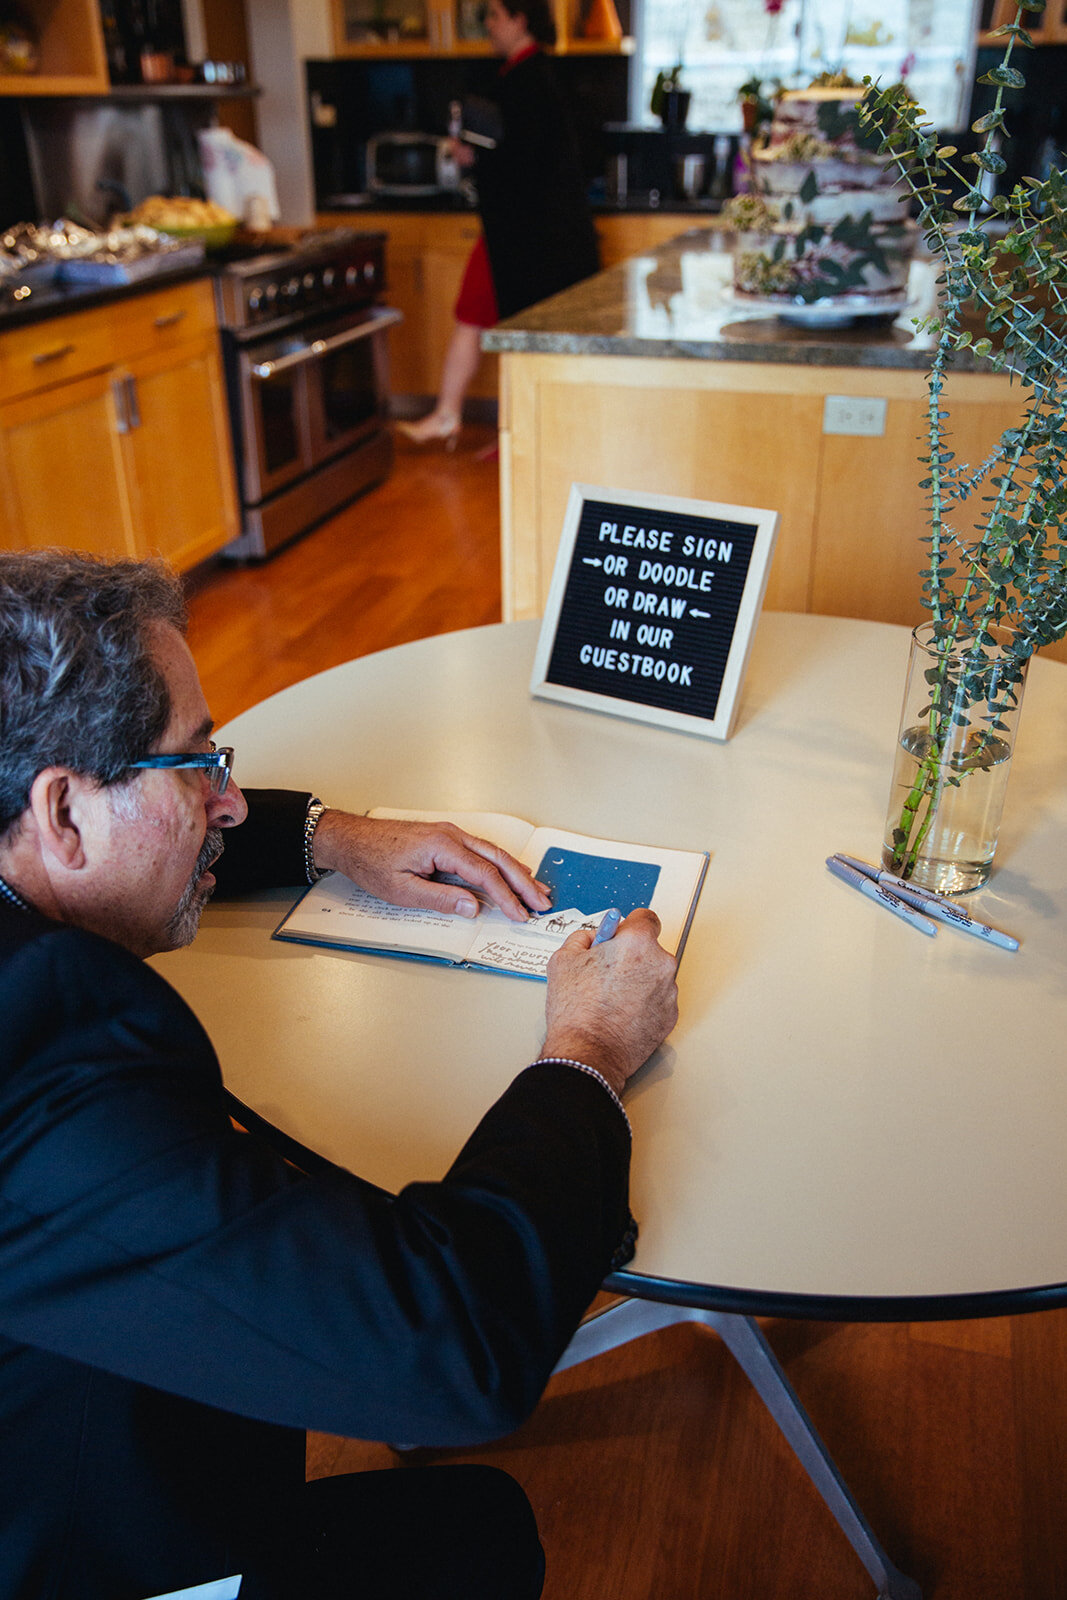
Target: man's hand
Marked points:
612	1004
397	862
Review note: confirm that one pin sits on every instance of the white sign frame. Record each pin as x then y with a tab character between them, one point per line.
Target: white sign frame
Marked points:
721	724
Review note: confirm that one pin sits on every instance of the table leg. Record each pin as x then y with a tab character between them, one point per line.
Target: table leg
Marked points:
630	1319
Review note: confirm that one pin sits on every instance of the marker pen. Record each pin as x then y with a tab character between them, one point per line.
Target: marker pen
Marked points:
609	924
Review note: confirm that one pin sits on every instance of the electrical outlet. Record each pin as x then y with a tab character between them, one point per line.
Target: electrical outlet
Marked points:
855	414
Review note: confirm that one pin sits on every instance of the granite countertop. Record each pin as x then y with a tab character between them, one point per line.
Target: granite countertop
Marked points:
678	301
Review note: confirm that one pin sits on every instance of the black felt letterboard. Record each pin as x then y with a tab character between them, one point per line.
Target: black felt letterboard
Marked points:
650	606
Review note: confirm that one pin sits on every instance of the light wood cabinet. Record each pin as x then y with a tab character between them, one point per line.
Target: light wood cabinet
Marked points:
629	233
851	510
113	430
425	254
384	29
71	42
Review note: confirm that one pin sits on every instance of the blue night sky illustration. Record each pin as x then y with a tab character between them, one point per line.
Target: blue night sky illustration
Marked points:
592	883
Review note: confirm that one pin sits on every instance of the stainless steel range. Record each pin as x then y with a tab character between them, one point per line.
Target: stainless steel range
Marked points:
304	347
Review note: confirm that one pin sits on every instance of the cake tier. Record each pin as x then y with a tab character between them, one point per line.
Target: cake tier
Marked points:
817	263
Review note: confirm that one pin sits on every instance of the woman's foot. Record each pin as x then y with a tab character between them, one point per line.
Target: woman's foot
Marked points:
437	427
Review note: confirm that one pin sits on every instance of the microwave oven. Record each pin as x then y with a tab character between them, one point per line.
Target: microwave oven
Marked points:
410	164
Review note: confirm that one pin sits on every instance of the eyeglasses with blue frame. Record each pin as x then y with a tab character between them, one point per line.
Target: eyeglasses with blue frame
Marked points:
215	763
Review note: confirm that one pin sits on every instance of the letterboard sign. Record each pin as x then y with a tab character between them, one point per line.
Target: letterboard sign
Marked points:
653	605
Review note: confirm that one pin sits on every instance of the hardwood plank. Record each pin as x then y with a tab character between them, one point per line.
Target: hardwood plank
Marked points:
418	555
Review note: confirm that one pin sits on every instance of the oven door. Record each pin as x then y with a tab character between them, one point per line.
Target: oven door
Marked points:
310	395
348	383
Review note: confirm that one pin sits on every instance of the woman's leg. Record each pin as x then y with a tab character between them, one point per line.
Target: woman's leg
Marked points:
461	363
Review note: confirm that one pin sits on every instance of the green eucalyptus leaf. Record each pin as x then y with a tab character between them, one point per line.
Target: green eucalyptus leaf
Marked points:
1004	77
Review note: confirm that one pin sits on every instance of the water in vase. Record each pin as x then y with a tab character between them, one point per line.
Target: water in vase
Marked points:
957	851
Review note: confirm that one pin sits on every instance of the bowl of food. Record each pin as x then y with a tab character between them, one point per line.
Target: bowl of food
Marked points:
185	218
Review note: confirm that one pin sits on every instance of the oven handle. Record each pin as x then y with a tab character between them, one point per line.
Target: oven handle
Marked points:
322	347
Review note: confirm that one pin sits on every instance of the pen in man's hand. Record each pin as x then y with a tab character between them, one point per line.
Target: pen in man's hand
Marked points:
609	923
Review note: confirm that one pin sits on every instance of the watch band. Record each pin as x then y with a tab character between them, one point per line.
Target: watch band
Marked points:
315	812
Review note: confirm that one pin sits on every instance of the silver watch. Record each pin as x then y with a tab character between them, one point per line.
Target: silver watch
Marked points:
315	812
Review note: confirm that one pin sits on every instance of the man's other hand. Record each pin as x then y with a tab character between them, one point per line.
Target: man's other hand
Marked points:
610	1005
401	862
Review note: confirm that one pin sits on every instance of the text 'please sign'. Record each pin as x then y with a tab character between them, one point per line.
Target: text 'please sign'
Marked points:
652	608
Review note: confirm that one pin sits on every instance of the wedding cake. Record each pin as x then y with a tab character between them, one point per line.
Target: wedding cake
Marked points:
827	219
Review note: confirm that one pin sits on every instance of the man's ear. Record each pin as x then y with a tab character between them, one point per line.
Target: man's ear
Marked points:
58	808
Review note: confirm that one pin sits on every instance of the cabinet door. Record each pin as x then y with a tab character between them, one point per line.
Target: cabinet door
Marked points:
177	453
62	479
631	233
408	365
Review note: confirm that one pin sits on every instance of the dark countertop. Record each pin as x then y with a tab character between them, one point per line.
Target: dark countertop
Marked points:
635	204
678	301
55	300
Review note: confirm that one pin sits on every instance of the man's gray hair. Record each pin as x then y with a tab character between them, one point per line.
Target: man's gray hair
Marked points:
78	687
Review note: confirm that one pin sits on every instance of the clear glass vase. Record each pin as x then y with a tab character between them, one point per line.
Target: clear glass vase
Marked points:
953	756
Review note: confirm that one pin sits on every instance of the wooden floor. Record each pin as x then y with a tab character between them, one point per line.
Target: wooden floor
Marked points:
654	1471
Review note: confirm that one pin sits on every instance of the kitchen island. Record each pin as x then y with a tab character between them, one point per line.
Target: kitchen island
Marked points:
653	377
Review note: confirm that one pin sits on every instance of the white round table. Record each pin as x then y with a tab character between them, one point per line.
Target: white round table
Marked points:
850	1119
847	1112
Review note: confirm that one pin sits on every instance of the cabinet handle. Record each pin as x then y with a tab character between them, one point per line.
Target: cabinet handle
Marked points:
133	410
122	415
55	354
170	320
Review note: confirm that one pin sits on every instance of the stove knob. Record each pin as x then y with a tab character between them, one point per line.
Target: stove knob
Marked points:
309	281
291	288
369	271
270	294
329	278
255	301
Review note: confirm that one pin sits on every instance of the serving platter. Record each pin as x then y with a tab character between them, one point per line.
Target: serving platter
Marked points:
829	312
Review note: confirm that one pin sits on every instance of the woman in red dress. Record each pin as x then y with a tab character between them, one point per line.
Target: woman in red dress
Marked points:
537	231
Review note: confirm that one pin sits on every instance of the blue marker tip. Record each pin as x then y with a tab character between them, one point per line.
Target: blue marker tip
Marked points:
609	924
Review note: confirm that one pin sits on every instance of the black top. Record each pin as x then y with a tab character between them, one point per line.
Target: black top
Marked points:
538	227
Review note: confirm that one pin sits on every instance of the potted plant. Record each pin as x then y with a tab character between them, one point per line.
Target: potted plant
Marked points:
995	580
757	103
670	102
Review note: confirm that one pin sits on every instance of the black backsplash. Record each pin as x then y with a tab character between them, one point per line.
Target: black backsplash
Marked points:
413	96
18	202
1035	117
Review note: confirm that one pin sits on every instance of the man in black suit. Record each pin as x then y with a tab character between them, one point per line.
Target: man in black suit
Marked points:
177	1302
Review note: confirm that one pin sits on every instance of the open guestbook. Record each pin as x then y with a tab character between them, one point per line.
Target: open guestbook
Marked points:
585	876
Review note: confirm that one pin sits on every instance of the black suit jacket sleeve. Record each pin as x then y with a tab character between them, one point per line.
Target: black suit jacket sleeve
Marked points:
267	850
140	1234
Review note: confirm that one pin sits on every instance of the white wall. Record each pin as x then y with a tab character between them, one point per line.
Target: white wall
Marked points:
282	35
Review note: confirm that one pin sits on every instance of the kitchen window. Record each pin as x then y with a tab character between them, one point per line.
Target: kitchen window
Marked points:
722	43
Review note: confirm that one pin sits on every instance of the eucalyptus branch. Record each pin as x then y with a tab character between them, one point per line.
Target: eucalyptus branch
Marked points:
1012	570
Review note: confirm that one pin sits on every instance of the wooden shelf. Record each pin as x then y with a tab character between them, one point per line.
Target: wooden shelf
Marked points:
184	91
71	44
408	49
1049	28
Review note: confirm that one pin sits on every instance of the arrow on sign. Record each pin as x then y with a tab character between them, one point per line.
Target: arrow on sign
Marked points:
592	561
693	612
